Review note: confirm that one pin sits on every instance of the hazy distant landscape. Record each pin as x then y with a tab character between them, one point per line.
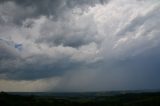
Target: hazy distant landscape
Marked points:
80	99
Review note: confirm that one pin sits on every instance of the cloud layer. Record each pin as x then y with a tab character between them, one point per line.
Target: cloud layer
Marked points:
77	45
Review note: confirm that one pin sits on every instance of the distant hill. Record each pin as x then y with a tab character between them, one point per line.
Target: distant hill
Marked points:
80	99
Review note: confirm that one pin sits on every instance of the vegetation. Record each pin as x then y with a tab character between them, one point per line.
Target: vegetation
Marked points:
130	99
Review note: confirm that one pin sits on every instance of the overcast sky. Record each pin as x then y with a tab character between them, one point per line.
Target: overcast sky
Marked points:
79	45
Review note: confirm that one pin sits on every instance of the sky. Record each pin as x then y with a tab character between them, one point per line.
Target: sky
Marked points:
79	45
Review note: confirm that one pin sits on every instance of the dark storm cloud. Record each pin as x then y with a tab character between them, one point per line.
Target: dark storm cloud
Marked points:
7	51
81	42
61	40
132	73
17	11
42	67
36	8
67	34
141	70
33	67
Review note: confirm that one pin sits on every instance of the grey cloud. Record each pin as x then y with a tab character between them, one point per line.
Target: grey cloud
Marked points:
68	33
7	50
137	72
142	20
8	57
41	66
11	13
79	42
18	10
13	66
36	66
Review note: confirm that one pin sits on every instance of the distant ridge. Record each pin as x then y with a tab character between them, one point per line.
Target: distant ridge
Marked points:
84	94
